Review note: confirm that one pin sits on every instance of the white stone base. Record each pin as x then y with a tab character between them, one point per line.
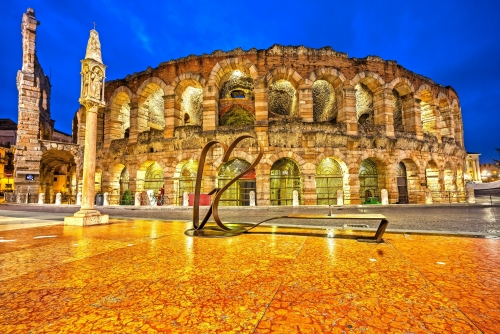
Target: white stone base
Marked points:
87	217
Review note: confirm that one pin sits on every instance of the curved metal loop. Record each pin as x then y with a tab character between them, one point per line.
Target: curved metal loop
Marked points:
215	204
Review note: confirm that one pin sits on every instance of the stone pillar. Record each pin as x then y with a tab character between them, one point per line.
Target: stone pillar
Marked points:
134	120
92	98
383	110
347	110
106	200
41	198
263	186
252	198
306	104
295	198
261	114
172	116
58	199
309	190
384	194
340	197
412	121
210	108
471	199
79	199
185	199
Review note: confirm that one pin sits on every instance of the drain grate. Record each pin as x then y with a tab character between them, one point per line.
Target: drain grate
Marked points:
356	225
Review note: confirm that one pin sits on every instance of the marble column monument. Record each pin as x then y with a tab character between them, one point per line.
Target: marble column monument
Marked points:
92	98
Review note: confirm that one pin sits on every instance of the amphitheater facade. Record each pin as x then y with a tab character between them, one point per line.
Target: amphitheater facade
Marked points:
327	123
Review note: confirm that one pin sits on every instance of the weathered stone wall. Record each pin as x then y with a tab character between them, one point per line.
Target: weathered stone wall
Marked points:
410	119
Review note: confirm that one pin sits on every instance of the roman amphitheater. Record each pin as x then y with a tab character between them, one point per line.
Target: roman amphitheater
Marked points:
327	123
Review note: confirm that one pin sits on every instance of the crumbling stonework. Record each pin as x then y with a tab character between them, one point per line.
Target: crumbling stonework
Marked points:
34	150
308	105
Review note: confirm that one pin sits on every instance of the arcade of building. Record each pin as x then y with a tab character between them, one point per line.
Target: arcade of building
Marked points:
327	123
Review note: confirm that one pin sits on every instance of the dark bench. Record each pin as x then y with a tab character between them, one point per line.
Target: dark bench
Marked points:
361	216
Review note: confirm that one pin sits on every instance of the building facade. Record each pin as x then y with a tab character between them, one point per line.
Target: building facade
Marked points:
327	122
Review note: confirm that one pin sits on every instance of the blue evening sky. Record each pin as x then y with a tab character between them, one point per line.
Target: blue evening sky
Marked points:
454	43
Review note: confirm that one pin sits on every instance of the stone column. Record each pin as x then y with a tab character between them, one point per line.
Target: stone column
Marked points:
92	98
306	104
383	110
172	116
261	114
347	110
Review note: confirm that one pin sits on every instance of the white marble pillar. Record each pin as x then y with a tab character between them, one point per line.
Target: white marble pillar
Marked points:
340	197
384	194
252	198
185	199
471	198
295	196
106	199
79	199
41	198
428	196
137	198
58	198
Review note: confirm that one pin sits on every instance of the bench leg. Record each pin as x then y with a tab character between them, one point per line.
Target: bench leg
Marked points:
378	235
381	230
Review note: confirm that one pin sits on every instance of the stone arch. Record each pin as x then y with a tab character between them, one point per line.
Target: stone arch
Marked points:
184	179
58	163
114	183
331	175
219	72
117	119
408	184
148	175
432	180
283	84
275	157
332	75
428	113
238	194
446	116
285	179
151	112
188	99
369	99
402	103
242	155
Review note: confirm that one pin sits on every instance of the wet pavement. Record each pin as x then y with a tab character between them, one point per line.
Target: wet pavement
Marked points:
147	276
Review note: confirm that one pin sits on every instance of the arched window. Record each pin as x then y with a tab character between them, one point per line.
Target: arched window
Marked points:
329	179
368	180
154	177
238	194
285	178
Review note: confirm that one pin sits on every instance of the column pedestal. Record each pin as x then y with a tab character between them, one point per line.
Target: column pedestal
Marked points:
86	217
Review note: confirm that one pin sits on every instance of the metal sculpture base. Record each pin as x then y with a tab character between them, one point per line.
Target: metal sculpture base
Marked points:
214	231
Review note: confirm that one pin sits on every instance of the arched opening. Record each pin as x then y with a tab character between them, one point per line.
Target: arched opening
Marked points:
368	181
364	105
120	117
185	179
285	178
236	99
238	194
124	181
153	179
192	104
324	103
282	99
457	118
402	183
427	113
151	108
432	180
329	179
